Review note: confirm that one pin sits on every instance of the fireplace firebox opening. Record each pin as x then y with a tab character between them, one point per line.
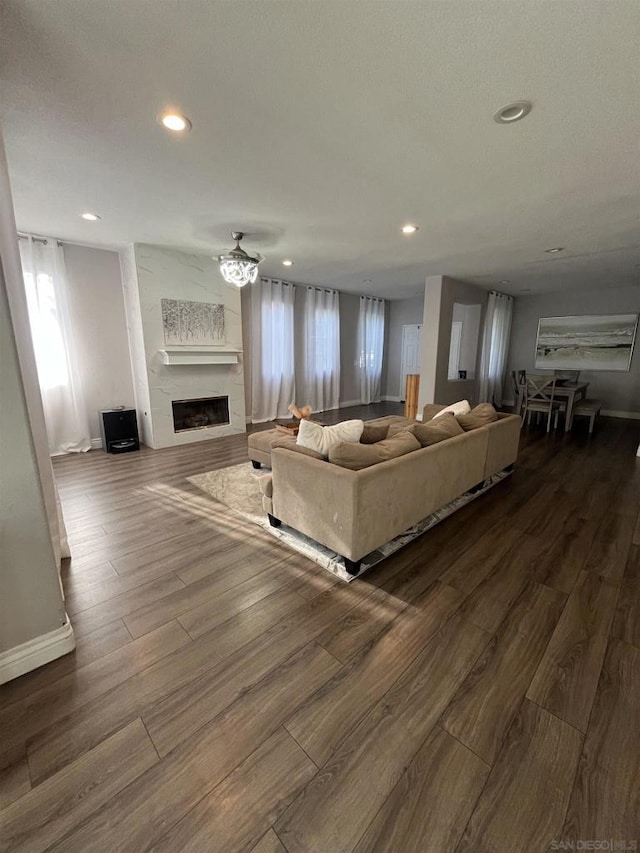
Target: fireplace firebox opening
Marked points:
200	413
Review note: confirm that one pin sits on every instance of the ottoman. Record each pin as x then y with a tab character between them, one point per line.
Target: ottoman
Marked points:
260	446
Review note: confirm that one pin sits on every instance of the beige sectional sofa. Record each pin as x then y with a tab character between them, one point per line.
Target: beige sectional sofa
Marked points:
355	512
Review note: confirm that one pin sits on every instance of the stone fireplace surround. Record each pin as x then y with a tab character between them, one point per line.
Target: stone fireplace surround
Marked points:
149	274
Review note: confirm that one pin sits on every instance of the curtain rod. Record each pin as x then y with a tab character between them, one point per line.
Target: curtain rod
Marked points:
293	284
319	289
43	240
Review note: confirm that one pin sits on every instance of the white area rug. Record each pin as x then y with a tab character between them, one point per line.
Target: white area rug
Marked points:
237	487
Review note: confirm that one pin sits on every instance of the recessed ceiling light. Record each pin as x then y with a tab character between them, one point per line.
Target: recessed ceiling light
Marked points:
409	229
555	250
92	217
175	122
287	263
366	281
513	112
505	281
526	290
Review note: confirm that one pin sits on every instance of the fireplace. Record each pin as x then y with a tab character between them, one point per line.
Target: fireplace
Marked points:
200	413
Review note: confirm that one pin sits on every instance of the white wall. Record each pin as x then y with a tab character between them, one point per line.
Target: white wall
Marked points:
31	604
441	295
619	392
162	273
97	313
400	312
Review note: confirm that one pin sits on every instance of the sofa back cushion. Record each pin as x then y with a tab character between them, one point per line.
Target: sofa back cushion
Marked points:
483	414
358	456
321	439
373	432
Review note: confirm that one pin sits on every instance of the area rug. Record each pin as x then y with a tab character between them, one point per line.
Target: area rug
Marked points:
237	487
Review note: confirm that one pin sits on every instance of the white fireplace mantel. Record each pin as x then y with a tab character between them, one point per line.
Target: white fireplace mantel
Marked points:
177	355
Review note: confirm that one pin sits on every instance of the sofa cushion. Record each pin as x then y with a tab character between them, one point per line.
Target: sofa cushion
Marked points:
481	415
437	429
289	443
460	408
373	432
358	456
321	439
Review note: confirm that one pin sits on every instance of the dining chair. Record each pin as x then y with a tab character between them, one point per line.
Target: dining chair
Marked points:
539	393
519	379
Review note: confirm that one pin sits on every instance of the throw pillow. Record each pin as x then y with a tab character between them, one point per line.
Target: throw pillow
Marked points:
395	429
438	429
320	438
461	408
372	433
358	456
482	415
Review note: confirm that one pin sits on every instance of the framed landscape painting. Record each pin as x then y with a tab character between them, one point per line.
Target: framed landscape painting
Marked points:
590	342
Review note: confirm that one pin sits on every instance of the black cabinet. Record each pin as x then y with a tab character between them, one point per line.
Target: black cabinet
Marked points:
119	429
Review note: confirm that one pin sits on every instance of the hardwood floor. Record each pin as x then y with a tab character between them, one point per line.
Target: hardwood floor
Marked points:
477	691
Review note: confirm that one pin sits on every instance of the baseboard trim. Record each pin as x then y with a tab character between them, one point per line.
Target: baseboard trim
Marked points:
96	444
345	404
614	413
34	653
389	399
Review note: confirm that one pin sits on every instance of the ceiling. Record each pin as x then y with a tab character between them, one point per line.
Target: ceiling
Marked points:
321	126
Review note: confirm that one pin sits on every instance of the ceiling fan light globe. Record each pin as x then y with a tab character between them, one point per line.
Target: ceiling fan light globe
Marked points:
238	272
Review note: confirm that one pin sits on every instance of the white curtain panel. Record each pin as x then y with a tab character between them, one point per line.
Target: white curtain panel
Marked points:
495	347
272	353
45	284
318	381
370	347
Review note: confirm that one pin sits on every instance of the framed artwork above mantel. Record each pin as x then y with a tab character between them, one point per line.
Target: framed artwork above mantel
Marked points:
192	323
588	342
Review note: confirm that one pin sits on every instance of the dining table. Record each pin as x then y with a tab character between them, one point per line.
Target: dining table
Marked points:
570	392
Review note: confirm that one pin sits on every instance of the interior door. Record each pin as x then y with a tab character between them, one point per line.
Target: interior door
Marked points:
410	357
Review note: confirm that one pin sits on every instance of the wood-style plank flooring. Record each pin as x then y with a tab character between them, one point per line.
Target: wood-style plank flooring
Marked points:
478	691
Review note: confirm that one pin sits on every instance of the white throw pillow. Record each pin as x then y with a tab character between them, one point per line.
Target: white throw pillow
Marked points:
461	408
321	439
